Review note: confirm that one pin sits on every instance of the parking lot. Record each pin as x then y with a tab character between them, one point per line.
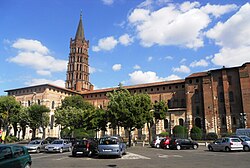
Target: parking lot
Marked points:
138	157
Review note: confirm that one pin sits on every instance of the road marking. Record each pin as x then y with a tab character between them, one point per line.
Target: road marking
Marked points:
130	156
62	158
45	155
170	156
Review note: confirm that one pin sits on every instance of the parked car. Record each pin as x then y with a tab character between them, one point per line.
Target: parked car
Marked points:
111	145
182	144
84	148
226	144
14	156
164	144
156	142
59	145
245	141
37	146
51	139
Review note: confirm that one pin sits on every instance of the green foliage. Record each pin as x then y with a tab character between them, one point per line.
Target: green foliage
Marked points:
164	134
38	117
160	110
211	136
9	109
179	131
196	133
77	113
11	139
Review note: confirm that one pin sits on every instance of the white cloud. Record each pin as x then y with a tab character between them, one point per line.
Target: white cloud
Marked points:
137	67
150	59
209	57
117	67
232	56
169	57
174	24
108	2
201	63
125	39
44	73
234	38
218	10
33	54
60	83
106	44
183	60
139	77
182	69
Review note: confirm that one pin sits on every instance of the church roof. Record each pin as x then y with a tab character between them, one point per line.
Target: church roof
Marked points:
80	31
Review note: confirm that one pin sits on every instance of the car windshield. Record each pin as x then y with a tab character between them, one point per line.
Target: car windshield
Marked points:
57	142
34	142
245	138
108	141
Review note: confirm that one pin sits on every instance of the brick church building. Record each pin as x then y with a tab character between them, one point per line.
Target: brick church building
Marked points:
216	100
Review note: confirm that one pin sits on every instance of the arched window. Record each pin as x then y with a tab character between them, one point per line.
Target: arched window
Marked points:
198	122
52	104
181	122
38	101
166	124
28	102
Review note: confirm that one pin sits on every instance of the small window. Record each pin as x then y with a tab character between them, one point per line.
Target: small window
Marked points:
229	78
163	88
181	122
190	81
183	86
220	81
169	87
146	90
158	89
152	89
197	80
52	119
52	105
231	96
176	86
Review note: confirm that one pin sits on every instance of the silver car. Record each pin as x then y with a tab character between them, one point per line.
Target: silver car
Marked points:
245	141
37	146
59	145
111	146
226	144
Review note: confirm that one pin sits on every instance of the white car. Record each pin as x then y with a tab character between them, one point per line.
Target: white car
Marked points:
156	142
37	146
226	144
59	145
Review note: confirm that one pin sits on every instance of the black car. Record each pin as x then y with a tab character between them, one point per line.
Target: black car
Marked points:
85	148
183	144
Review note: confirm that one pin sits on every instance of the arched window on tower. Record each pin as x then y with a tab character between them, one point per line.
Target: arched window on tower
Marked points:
80	76
80	67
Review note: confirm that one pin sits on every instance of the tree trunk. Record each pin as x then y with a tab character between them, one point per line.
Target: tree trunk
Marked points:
33	132
149	132
44	131
24	132
15	129
129	138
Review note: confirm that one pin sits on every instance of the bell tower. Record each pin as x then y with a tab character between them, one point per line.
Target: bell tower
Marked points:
77	78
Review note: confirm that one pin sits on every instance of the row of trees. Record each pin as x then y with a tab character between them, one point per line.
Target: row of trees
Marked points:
123	110
12	114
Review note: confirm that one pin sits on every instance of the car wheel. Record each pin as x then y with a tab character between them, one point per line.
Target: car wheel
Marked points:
246	148
38	150
157	146
74	154
61	150
27	165
195	146
167	147
210	148
227	149
178	147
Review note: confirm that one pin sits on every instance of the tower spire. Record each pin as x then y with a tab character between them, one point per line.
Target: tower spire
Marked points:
80	31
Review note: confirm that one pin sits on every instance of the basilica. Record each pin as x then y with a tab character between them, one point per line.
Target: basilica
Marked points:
216	101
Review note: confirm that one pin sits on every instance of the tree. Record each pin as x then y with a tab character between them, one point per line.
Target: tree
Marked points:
75	113
38	117
196	133
179	131
23	119
128	110
8	107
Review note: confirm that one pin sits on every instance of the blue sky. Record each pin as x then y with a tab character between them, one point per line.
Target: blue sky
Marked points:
131	41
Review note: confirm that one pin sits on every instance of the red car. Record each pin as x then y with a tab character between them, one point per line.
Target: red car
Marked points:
164	144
